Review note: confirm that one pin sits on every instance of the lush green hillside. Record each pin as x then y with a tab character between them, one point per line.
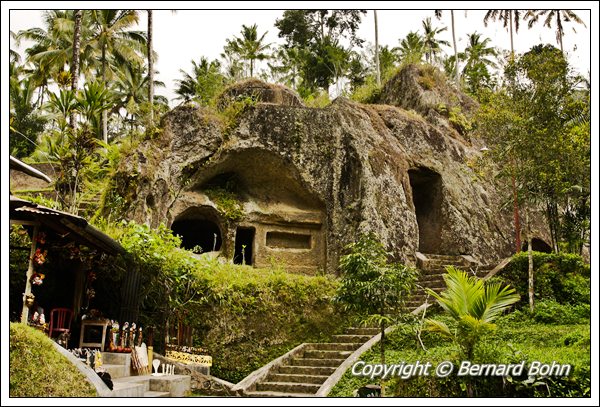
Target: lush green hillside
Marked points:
38	370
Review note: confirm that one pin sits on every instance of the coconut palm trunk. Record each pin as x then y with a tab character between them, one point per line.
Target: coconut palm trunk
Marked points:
104	111
75	60
456	74
150	68
377	67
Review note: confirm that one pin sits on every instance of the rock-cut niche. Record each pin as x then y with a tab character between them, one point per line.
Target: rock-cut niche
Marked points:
198	227
427	195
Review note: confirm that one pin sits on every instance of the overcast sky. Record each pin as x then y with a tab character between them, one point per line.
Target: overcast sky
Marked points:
183	35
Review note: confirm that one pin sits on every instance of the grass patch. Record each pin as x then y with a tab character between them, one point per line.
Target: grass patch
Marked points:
513	341
38	370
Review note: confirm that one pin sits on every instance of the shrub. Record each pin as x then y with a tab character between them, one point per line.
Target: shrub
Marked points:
551	312
561	277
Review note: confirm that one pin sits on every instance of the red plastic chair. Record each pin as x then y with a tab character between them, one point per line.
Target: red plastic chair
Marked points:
60	321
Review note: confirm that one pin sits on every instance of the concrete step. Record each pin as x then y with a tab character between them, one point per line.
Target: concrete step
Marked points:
113	358
143	380
307	370
296	378
176	385
327	354
363	331
128	389
317	362
333	346
156	394
288	387
352	338
275	394
116	371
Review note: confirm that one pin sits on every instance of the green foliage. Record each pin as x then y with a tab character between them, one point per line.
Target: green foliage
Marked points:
227	203
230	110
316	35
411	50
370	285
458	120
560	277
38	370
518	338
537	127
473	305
245	317
203	85
26	123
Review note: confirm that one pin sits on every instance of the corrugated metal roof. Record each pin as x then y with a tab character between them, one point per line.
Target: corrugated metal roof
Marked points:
79	226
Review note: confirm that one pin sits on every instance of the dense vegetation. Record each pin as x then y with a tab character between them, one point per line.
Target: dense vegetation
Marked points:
558	330
82	98
516	338
244	317
38	370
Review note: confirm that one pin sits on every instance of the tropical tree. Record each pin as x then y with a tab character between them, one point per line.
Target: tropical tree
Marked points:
509	18
316	36
26	124
150	52
285	66
411	49
558	17
116	43
438	14
75	60
478	59
130	93
373	287
249	47
377	66
474	306
431	44
203	84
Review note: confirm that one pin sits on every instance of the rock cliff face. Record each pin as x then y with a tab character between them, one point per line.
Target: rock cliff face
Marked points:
281	182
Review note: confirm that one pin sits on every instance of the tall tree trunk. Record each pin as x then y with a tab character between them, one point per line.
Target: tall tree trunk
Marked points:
382	354
150	69
512	48
516	215
377	67
558	27
530	289
75	61
104	112
456	75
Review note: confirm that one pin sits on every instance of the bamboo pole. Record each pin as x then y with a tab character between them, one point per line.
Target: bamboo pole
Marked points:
25	313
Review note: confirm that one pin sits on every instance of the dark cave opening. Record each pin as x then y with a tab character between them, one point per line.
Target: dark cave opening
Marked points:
427	197
198	232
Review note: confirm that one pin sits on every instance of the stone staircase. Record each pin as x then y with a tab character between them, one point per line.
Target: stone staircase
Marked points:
433	268
306	370
126	384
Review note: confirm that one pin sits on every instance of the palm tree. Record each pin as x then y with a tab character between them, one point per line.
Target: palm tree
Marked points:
203	84
131	90
438	14
75	61
559	16
150	68
287	62
431	44
473	305
411	48
508	18
250	47
51	51
477	56
115	42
